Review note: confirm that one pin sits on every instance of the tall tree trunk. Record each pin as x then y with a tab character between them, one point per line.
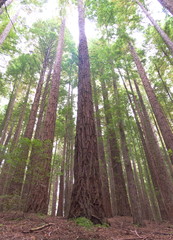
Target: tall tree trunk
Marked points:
158	112
54	197
102	159
61	182
132	188
120	189
156	163
43	106
167	4
9	26
164	36
86	198
13	174
38	195
25	145
38	132
69	158
5	123
148	157
21	117
133	194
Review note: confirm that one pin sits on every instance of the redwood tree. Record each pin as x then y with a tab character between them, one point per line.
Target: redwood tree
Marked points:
38	196
86	198
157	109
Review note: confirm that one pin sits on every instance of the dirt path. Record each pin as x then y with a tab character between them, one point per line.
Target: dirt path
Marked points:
19	226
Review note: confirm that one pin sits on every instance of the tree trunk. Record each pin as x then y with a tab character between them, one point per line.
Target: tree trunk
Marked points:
164	36
69	158
102	159
61	182
158	112
133	194
9	26
38	197
43	106
168	4
25	145
132	188
122	207
156	163
148	157
54	197
21	117
86	198
5	123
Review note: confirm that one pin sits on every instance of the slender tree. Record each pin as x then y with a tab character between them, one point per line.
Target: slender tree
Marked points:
38	196
158	112
164	36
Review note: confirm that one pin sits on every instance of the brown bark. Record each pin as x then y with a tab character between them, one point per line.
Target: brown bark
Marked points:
102	159
133	194
164	36
149	158
37	200
86	198
54	197
120	189
21	117
158	112
19	171
161	177
8	28
5	123
33	113
168	4
132	188
69	157
43	106
61	182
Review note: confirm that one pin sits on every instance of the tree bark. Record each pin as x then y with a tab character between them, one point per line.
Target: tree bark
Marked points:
86	198
102	159
164	36
133	194
161	178
61	182
158	112
168	4
5	123
148	157
38	197
122	203
43	106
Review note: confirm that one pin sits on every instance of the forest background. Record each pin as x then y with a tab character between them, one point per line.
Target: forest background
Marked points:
120	162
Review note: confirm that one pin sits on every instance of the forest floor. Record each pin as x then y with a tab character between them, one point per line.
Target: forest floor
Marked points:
19	226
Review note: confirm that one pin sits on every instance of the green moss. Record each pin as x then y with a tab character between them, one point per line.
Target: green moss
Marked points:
84	222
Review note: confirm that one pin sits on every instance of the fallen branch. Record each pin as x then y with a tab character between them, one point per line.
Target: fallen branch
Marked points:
38	228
